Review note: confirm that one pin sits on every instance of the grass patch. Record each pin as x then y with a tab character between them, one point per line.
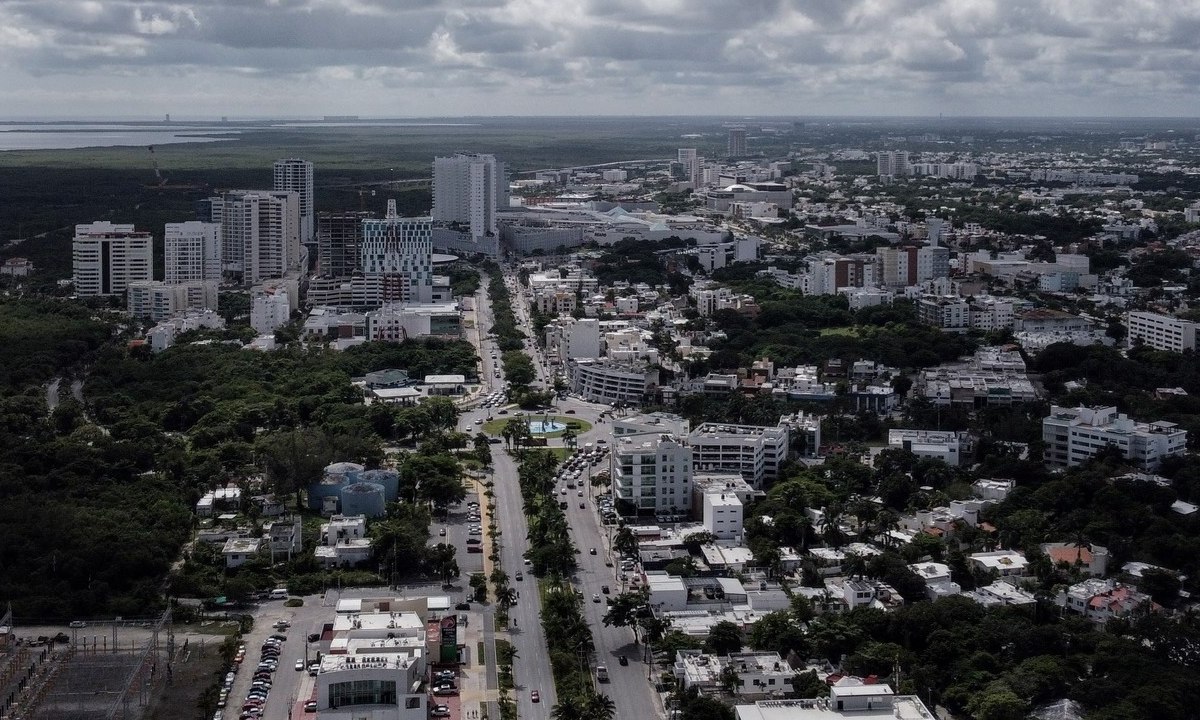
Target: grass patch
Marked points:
844	331
496	426
480	658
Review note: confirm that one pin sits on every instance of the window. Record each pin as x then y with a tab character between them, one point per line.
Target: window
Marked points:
412	703
362	692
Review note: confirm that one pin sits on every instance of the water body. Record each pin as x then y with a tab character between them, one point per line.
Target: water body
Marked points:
68	137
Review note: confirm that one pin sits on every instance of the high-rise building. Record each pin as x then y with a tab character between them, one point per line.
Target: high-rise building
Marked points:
653	472
296	175
399	253
260	236
339	240
467	191
906	266
737	142
693	166
892	162
192	251
105	258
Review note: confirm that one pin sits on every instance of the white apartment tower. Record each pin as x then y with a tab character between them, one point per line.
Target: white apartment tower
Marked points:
105	258
296	175
1162	332
467	191
892	162
653	472
397	254
192	252
260	233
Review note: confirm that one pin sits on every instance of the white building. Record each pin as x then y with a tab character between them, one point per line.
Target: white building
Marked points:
1161	332
941	445
1005	563
1101	600
192	252
693	166
467	190
399	251
157	301
573	339
754	451
162	335
1074	435
760	674
610	382
849	698
260	233
296	175
377	662
343	541
653	472
656	422
239	551
270	309
397	322
892	162
105	258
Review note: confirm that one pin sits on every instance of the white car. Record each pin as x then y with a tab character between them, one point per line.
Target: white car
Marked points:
299	665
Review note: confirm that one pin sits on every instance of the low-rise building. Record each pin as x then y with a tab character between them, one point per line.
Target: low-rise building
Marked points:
755	451
1091	559
849	698
240	550
941	445
343	541
1074	435
1101	600
653	472
1161	332
609	381
758	674
1004	563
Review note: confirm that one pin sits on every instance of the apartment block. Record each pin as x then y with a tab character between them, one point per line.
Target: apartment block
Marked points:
339	242
1074	435
192	252
399	251
106	258
756	452
1161	332
653	472
157	301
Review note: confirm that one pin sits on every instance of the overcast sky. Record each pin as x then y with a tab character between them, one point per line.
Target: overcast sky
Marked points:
89	58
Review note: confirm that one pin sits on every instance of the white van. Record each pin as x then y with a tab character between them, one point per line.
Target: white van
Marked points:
279	594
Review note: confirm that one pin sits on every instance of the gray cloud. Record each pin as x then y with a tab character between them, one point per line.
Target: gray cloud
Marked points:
206	57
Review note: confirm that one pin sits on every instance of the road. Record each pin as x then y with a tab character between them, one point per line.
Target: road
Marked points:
629	689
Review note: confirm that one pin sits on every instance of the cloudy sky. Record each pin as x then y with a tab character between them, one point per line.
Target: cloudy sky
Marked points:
243	58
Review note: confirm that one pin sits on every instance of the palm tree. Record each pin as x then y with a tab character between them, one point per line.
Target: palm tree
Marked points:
569	437
599	707
568	708
506	597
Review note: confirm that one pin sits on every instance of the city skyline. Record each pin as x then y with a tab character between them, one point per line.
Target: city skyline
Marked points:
524	57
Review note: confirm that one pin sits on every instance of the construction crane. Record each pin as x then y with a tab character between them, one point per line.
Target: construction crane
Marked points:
154	163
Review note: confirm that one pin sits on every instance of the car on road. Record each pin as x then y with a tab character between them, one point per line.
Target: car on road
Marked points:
463	606
76	624
535	696
299	665
440	711
595	597
445	690
473	541
592	551
570	412
520	576
604	589
582	506
579	494
442	532
310	706
622	660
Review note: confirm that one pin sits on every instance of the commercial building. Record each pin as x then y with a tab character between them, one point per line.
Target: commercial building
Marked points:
906	266
656	422
467	191
1161	332
652	472
157	301
1074	435
396	322
399	253
296	175
192	252
993	376
339	242
693	166
754	451
571	338
849	698
941	445
609	381
106	258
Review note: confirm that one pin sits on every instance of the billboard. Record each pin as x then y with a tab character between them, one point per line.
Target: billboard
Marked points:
449	628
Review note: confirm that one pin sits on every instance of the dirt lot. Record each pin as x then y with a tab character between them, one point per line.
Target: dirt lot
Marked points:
194	673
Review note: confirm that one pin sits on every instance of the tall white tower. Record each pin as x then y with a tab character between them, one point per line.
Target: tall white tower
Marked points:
467	191
106	258
296	175
192	251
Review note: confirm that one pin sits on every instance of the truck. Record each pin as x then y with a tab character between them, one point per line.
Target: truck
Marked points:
601	673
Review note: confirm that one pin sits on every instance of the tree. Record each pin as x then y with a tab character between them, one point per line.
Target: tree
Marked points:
623	610
625	542
568	437
810	685
730	680
725	638
443	413
441	559
777	631
483	449
599	707
570	707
